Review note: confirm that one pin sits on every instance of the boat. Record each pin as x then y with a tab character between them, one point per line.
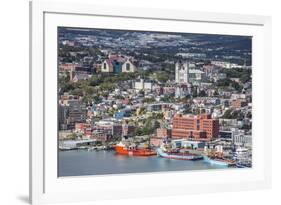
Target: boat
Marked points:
65	148
133	150
178	155
219	161
244	165
243	158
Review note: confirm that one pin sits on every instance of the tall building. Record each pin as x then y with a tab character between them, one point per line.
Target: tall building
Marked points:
117	130
128	130
63	111
182	73
201	127
77	112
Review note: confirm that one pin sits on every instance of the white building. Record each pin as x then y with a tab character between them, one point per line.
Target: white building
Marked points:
128	67
226	65
107	66
195	75
182	91
219	76
241	139
243	155
141	84
182	73
235	96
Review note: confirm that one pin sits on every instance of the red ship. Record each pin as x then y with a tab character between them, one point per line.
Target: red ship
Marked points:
121	148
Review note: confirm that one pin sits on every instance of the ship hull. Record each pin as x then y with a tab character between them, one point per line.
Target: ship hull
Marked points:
244	165
134	152
217	162
160	153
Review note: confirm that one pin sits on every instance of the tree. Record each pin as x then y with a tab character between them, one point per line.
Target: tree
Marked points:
227	114
162	76
142	111
249	115
89	90
96	99
141	93
107	86
95	80
202	93
233	114
223	82
148	100
243	74
71	136
216	94
156	125
77	91
86	99
236	86
157	115
245	78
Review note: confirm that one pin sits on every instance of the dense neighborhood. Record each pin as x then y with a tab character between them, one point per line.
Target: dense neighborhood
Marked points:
148	88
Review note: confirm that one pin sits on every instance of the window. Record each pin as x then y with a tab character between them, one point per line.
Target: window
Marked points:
127	66
104	66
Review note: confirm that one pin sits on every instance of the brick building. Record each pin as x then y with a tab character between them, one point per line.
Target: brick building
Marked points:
238	103
85	128
163	132
201	127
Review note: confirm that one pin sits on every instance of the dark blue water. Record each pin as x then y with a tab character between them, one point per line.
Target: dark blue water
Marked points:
79	162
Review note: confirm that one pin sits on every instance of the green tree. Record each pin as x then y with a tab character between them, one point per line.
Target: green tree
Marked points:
236	86
95	80
162	76
202	93
97	99
107	86
77	91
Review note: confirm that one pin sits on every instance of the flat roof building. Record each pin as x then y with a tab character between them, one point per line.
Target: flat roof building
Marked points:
196	127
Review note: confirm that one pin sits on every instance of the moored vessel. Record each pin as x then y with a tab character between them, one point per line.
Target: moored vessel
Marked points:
133	150
178	155
219	161
243	165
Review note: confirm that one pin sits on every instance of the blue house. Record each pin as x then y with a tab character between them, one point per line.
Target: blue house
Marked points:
117	66
123	113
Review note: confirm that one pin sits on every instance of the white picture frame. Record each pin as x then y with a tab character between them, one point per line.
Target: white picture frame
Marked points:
46	187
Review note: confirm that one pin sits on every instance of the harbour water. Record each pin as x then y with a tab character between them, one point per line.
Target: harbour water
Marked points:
81	162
